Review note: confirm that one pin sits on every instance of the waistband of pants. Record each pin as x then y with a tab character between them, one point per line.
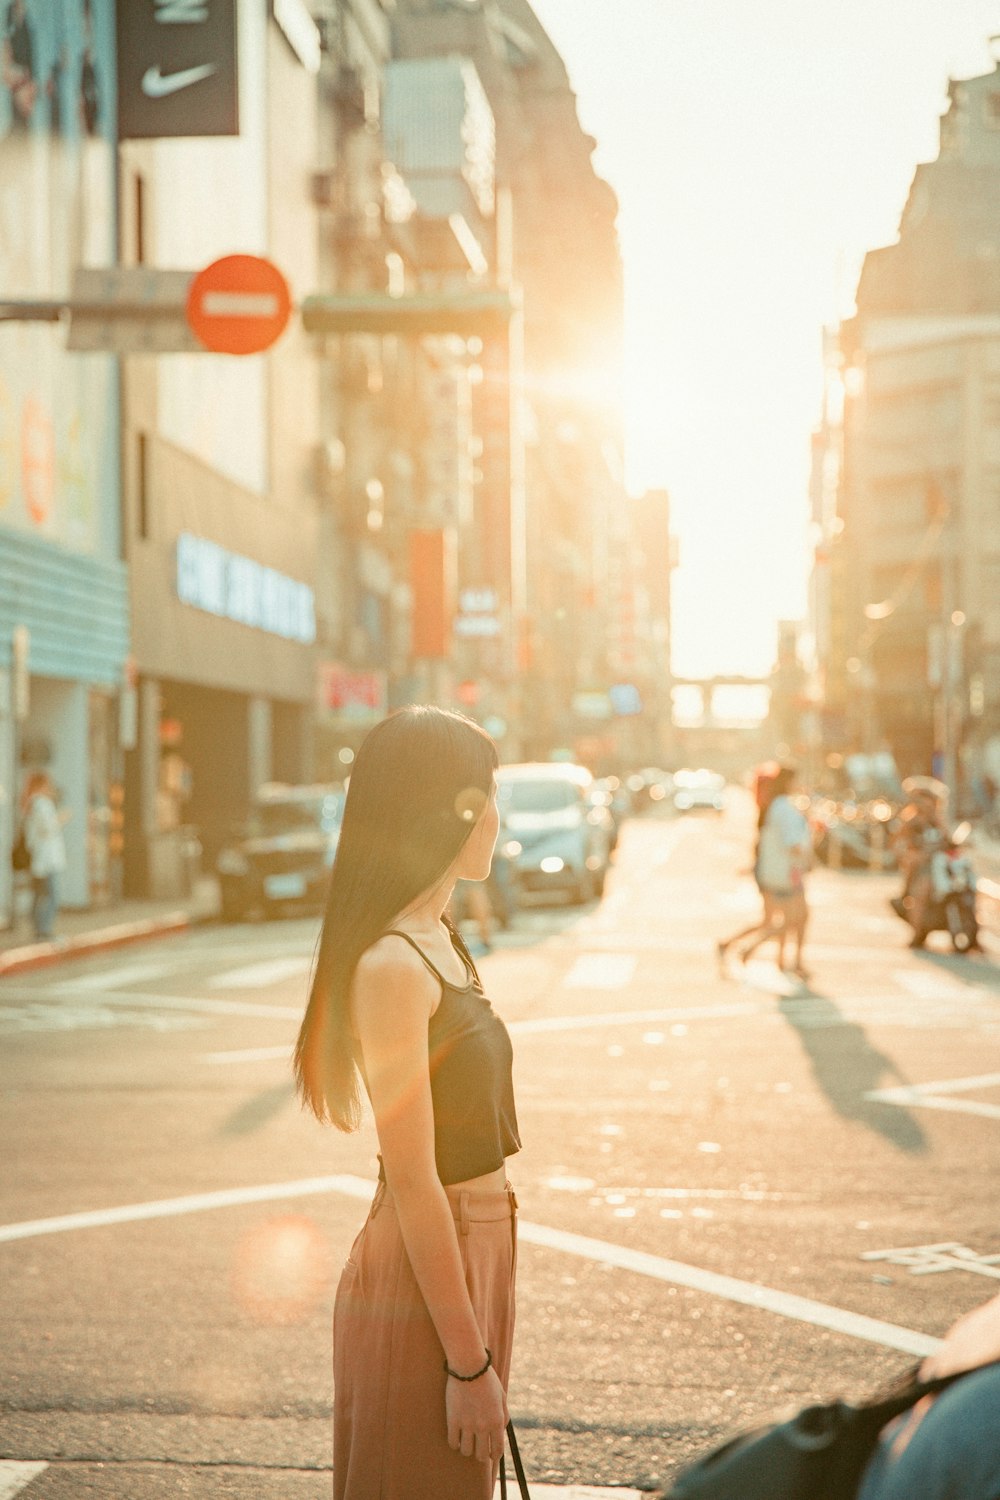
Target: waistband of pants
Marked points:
468	1205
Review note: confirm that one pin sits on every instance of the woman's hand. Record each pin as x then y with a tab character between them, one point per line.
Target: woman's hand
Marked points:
477	1416
973	1341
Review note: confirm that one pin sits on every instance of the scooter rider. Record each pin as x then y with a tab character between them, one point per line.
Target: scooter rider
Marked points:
921	834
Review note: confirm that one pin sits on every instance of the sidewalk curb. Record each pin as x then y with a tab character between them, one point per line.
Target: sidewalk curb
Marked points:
44	955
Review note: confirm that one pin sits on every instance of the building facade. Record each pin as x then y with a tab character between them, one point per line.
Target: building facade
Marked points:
913	551
219	480
64	626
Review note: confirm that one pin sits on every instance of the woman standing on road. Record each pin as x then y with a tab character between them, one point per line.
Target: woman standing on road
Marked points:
424	1315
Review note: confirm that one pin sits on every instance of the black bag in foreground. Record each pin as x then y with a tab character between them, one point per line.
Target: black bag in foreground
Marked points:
522	1483
820	1453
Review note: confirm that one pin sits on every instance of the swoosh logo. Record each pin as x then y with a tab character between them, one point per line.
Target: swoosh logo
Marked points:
157	85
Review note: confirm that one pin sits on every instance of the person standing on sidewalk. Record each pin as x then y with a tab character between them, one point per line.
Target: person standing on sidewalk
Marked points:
43	834
424	1312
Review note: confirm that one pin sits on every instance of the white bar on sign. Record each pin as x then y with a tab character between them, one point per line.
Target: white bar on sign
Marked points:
239	305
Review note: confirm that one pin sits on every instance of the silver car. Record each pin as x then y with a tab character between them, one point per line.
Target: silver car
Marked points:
558	836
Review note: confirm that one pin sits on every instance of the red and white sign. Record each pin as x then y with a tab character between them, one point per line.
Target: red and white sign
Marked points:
239	305
354	694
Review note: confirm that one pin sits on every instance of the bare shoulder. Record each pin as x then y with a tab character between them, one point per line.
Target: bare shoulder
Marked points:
391	983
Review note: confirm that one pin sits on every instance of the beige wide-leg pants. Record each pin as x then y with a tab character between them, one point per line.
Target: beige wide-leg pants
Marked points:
390	1439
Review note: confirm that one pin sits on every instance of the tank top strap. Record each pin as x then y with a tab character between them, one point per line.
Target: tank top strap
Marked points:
397	932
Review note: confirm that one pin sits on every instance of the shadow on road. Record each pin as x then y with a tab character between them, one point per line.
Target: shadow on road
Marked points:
847	1067
258	1111
980	973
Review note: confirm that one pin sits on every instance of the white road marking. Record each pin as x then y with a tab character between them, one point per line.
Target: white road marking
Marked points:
163	1208
929	1260
749	1293
581	1492
603	1252
201	1006
15	1474
249	1054
932	986
258	976
935	1095
631	1018
113	977
58	1016
601	971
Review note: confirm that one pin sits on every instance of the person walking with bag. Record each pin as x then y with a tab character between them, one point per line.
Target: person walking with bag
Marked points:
43	835
424	1312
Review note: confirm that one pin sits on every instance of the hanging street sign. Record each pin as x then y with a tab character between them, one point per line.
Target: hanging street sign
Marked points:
130	310
239	305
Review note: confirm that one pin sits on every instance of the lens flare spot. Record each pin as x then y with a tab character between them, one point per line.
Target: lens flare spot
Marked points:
470	804
281	1269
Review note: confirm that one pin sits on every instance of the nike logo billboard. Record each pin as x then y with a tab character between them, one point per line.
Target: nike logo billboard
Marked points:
157	85
177	68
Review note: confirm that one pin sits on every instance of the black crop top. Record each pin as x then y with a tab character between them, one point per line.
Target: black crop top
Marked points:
475	1124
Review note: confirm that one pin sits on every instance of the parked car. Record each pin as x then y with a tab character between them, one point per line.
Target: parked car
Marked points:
696	789
280	857
561	840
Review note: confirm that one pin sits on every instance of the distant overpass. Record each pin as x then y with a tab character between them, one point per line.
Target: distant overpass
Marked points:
707	688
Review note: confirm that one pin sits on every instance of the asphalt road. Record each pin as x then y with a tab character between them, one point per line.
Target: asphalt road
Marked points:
710	1162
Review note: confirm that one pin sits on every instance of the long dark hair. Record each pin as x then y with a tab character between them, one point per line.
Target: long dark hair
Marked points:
418	786
779	784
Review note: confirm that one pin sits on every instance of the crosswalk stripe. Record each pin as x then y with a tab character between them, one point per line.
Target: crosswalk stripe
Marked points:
15	1474
258	976
601	971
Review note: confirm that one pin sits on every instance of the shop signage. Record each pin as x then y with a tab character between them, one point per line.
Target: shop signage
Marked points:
177	73
477	617
238	588
354	695
626	699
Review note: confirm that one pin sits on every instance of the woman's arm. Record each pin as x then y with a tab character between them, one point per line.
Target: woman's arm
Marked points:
973	1341
392	999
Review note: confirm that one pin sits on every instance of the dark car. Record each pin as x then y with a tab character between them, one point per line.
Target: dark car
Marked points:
280	858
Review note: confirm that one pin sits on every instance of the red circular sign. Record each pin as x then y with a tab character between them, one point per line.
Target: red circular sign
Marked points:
239	305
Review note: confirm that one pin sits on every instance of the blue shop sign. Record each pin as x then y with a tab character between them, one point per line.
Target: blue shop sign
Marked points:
238	588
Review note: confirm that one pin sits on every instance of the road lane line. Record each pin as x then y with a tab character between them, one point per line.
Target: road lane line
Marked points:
935	1095
601	971
531	1028
258	976
208	1007
249	1054
15	1474
603	1252
111	978
749	1293
163	1208
632	1017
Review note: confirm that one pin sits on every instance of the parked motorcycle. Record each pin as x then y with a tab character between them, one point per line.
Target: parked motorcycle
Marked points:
952	904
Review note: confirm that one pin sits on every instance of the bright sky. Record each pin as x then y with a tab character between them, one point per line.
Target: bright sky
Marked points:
758	148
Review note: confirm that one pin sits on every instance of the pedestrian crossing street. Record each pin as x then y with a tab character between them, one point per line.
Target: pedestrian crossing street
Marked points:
189	984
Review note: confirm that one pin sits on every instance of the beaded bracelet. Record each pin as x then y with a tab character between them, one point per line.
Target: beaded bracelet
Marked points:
455	1375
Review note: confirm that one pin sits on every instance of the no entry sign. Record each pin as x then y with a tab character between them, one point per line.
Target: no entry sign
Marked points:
239	305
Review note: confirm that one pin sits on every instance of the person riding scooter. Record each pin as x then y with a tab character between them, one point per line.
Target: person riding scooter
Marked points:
939	888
